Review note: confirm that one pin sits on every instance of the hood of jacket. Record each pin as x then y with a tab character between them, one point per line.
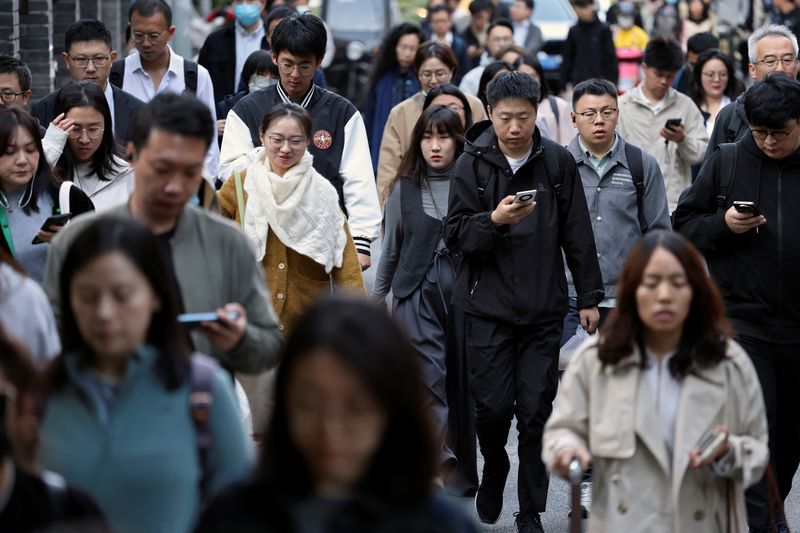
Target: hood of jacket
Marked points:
481	141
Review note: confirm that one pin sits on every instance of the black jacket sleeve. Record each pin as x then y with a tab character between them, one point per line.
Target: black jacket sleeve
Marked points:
611	65
720	128
568	56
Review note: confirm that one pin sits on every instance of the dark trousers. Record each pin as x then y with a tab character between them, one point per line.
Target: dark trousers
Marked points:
778	368
514	371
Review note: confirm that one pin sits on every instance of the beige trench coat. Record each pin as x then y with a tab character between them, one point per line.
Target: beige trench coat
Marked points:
635	487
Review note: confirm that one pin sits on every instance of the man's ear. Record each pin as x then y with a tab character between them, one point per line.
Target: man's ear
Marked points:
26	95
65	57
113	55
171	31
574	119
489	111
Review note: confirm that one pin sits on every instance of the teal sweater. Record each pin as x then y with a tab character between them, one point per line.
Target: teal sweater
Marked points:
141	465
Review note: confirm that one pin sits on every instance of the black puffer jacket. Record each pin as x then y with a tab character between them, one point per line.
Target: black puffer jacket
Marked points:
757	272
515	273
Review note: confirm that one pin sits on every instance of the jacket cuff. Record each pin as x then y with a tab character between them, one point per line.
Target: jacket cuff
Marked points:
590	299
362	245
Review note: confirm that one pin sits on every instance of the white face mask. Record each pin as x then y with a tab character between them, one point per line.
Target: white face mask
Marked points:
625	22
260	82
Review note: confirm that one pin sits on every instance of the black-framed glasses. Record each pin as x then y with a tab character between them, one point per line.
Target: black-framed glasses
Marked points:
139	37
779	135
83	62
9	95
591	114
769	61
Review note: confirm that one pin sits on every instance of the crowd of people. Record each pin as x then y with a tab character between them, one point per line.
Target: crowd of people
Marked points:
190	338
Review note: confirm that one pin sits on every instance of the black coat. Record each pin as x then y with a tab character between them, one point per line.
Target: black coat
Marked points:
515	273
589	53
756	271
218	55
125	107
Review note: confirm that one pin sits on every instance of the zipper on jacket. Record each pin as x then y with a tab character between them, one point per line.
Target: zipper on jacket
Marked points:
474	286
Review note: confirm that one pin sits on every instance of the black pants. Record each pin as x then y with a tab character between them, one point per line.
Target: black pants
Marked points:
778	368
514	370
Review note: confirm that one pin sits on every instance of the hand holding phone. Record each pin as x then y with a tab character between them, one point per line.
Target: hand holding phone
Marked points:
673	123
673	131
53	222
746	208
711	446
191	320
525	197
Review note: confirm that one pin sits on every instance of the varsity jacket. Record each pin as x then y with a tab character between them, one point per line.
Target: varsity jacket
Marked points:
339	145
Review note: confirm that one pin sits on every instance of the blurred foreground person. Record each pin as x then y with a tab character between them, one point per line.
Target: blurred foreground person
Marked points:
349	447
637	403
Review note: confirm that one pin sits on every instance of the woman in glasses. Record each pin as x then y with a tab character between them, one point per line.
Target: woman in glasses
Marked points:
80	144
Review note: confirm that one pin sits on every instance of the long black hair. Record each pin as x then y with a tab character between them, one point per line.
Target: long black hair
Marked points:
696	88
87	94
135	241
364	338
386	59
11	118
489	73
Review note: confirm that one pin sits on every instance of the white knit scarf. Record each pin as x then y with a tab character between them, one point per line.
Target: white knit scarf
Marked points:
301	207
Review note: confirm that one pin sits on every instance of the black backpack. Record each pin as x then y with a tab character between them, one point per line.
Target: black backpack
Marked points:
117	76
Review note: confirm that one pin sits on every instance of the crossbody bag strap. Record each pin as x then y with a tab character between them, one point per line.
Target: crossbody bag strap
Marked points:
6	229
237	182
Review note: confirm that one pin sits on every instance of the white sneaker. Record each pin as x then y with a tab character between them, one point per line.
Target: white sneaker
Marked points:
586	498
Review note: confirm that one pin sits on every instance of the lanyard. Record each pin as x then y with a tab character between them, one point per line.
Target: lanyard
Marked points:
6	229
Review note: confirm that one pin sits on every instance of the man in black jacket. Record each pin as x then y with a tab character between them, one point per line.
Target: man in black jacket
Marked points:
589	48
753	253
512	283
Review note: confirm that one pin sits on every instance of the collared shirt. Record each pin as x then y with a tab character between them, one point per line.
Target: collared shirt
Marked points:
600	165
447	39
110	99
246	44
521	30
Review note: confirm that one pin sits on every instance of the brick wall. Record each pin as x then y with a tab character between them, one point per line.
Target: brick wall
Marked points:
9	27
36	43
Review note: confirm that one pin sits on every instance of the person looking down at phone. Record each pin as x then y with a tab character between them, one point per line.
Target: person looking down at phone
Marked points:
212	267
29	193
663	376
663	122
511	282
742	214
80	144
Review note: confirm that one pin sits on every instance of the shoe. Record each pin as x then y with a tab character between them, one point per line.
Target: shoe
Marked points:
489	500
586	500
528	523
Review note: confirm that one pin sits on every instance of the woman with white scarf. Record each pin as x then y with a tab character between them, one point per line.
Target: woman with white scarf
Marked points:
292	216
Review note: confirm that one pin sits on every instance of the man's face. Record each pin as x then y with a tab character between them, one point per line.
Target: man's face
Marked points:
98	52
10	91
513	120
598	130
777	144
440	23
520	12
499	38
151	35
657	82
296	72
774	49
167	170
480	20
691	58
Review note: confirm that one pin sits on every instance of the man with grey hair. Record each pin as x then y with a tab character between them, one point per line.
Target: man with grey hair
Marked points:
772	48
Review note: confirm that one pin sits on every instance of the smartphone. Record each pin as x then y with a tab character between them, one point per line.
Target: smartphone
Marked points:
525	197
191	320
709	444
747	208
672	123
50	223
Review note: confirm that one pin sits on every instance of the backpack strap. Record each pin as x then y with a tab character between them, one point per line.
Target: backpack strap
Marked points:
481	177
553	166
634	156
734	123
190	75
554	107
727	172
201	401
117	75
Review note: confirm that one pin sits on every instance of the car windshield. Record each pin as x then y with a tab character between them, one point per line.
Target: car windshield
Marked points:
355	15
552	12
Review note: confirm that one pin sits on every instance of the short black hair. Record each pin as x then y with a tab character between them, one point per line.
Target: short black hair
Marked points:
440	8
663	54
148	8
279	13
505	23
86	30
700	42
773	102
594	87
582	3
12	65
477	6
182	114
300	35
452	90
528	4
513	85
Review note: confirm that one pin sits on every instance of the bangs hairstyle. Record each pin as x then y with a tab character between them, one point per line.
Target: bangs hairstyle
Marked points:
289	110
696	91
452	90
663	54
442	52
11	118
386	58
136	243
363	337
300	35
773	102
87	94
705	331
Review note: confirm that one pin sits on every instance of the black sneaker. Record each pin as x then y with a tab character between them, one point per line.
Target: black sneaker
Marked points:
489	500
528	523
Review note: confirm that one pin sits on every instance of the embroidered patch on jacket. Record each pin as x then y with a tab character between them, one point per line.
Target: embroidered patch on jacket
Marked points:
323	139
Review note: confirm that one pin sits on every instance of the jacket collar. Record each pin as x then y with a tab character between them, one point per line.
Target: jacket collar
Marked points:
617	155
481	141
638	97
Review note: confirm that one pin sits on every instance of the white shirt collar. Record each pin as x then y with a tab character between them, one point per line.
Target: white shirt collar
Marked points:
175	62
241	32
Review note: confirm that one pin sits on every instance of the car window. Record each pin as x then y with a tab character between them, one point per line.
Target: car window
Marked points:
355	15
553	11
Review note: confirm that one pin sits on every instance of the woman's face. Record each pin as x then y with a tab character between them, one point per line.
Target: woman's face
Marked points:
438	148
285	142
664	295
334	421
696	9
454	103
433	73
406	49
86	135
19	162
714	77
113	303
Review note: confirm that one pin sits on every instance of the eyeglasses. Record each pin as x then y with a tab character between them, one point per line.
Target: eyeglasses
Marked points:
93	132
769	61
716	75
10	96
591	114
278	141
761	135
305	69
83	62
440	75
139	37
